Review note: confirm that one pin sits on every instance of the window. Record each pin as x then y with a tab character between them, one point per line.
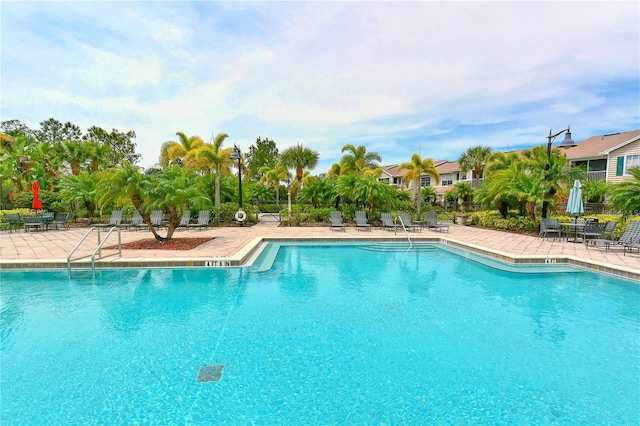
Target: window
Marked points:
447	180
397	181
630	162
384	180
425	181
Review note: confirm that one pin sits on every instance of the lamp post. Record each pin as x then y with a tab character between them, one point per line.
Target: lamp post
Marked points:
567	142
235	155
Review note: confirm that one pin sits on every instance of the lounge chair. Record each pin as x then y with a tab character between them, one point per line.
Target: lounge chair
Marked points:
550	227
116	220
157	219
361	221
387	221
185	220
61	219
432	222
203	220
408	224
629	239
335	217
137	222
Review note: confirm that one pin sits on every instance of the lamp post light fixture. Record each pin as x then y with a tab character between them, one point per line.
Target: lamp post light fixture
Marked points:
235	155
567	142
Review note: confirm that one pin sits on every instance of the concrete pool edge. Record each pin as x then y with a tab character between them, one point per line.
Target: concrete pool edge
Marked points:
245	256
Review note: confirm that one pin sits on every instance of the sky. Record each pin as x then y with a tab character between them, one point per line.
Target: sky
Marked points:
433	78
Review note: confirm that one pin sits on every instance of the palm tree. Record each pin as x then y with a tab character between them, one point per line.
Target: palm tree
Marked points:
173	189
73	153
299	158
358	159
98	155
80	189
273	177
625	196
369	188
211	157
521	182
474	158
415	169
172	152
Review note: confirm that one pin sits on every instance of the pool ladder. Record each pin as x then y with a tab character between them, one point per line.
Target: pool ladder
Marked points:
405	231
97	251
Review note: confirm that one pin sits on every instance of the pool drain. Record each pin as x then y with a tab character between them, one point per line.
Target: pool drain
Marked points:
210	373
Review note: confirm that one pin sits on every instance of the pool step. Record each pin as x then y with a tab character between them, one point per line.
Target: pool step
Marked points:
397	247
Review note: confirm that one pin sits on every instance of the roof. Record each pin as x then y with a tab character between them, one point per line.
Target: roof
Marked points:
393	169
448	167
600	145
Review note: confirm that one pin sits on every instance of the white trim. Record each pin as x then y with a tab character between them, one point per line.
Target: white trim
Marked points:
620	145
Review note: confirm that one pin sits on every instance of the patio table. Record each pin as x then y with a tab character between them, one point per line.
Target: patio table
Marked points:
575	227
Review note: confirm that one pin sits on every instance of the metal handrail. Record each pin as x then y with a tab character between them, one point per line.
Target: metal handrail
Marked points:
98	250
405	230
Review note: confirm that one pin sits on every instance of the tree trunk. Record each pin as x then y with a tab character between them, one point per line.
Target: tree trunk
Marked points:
419	195
217	198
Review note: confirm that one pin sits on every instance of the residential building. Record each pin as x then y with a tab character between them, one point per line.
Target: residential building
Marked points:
605	157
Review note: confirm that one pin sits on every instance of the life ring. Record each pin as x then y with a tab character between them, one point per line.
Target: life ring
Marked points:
241	216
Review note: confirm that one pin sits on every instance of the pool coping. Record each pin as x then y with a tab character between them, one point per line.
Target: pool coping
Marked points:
248	253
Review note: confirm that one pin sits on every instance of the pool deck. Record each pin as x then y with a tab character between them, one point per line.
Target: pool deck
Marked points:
236	246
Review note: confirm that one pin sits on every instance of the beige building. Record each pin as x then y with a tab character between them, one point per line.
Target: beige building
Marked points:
605	157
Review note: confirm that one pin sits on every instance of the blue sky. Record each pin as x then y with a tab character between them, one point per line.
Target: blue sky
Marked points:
397	77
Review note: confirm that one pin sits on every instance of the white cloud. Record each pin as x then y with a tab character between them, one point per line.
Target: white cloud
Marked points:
393	76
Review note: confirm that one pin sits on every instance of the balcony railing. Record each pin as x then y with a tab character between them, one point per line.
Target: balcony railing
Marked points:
602	175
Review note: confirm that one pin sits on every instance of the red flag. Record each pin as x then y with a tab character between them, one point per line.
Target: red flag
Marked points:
36	204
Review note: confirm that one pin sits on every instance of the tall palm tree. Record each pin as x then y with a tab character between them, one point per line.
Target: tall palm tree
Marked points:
273	177
98	155
74	153
211	157
357	159
298	157
415	169
475	158
173	152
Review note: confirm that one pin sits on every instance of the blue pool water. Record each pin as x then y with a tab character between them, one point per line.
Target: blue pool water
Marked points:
328	335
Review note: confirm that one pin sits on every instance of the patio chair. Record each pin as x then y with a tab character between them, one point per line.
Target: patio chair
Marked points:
592	231
606	236
116	220
335	218
203	220
387	221
61	219
432	222
13	221
361	221
185	220
408	224
550	227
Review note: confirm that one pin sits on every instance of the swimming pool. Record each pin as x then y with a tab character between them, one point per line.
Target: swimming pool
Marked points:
328	335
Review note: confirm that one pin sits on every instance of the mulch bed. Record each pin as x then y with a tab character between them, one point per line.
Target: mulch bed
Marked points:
172	244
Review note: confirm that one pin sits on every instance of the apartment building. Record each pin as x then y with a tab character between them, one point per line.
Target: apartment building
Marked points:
605	157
